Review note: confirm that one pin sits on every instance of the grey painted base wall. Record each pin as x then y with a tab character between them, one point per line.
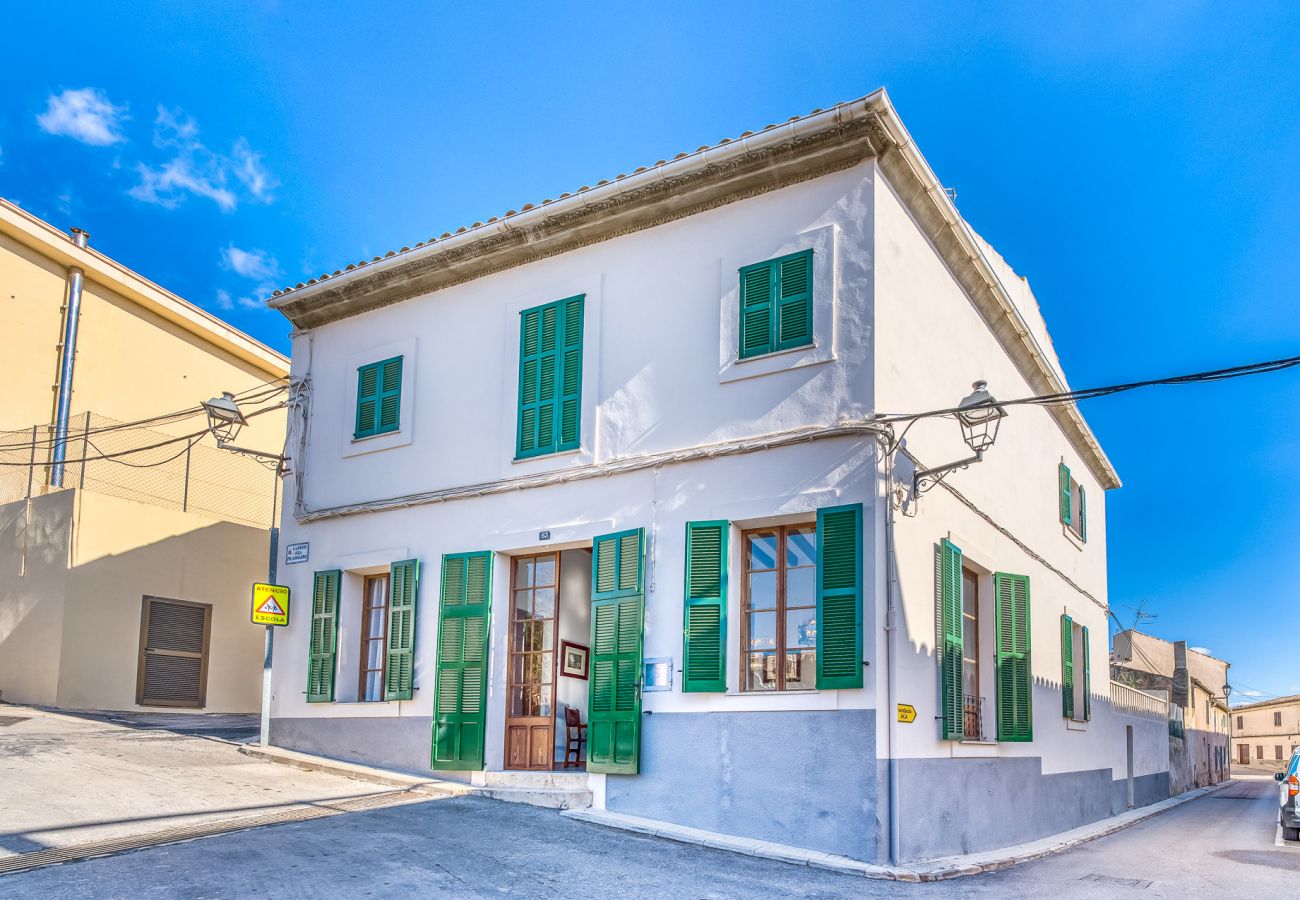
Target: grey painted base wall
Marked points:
801	778
952	806
403	743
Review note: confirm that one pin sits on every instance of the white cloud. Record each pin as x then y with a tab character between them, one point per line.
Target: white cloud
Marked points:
85	114
195	169
251	303
1252	693
1205	650
249	263
223	300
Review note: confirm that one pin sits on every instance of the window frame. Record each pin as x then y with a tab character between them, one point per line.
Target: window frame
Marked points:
775	344
367	608
561	319
374	428
1277	719
970	623
1076	523
780	608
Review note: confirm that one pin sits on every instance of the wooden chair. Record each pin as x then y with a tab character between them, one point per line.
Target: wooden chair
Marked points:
575	736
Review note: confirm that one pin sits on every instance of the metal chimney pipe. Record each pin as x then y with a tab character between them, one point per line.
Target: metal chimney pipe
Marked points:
67	357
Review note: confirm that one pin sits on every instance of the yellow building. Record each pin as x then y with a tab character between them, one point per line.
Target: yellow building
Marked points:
128	540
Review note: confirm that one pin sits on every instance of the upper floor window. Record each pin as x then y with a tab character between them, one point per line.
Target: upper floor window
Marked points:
550	378
779	609
1074	503
379	397
1277	720
776	304
1239	725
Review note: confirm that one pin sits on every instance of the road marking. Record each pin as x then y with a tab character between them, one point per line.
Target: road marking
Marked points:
1292	846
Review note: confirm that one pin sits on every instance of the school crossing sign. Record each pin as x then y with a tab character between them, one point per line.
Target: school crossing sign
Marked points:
270	604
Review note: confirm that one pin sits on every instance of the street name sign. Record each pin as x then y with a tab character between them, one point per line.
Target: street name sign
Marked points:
297	553
906	712
270	604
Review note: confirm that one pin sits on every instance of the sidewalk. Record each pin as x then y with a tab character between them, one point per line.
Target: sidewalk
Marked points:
939	869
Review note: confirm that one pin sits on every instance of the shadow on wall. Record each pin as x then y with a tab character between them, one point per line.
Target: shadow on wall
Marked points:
70	634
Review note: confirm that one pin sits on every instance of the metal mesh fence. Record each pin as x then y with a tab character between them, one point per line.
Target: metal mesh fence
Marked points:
105	458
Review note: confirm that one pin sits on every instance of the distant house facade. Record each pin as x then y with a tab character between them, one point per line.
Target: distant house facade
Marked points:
1265	733
1199	727
125	571
616	458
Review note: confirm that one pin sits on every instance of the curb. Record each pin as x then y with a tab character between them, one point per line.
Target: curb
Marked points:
940	869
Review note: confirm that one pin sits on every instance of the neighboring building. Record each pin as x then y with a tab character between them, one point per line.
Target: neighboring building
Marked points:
1265	733
630	435
125	572
1199	730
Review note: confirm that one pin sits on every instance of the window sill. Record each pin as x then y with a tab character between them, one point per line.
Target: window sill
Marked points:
357	439
1078	542
374	443
1076	724
558	454
737	369
975	749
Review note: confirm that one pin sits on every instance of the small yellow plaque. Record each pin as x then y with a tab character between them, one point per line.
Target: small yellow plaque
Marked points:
906	712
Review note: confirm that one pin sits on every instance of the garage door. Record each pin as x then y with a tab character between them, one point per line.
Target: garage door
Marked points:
173	653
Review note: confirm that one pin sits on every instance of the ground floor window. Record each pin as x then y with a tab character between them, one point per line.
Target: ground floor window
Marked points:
1277	751
173	667
1259	751
374	638
779	609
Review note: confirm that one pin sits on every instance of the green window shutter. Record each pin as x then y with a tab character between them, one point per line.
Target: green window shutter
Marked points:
379	397
403	582
460	702
1063	482
756	313
839	597
952	685
776	309
704	655
794	309
324	636
550	378
1067	667
1014	678
1087	677
617	611
1083	515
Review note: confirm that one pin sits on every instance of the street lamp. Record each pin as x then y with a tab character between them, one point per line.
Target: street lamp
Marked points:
224	417
224	421
979	416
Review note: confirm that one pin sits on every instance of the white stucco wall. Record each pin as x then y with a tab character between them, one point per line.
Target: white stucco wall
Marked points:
659	373
933	344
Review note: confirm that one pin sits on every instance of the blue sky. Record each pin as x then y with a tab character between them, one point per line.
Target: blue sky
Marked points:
1137	162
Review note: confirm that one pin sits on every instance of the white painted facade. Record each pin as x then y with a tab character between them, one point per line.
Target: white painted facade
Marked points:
894	330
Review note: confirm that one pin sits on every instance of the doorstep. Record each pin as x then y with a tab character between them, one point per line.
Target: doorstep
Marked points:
561	792
938	869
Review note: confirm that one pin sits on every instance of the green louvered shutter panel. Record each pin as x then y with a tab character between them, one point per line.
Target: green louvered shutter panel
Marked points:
1087	677
1083	515
460	702
403	585
550	378
324	636
1063	482
1014	678
390	395
570	403
704	655
952	686
367	400
839	597
757	315
794	303
617	610
1067	667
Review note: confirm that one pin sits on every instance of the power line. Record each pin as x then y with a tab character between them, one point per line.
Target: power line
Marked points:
1211	375
119	453
254	394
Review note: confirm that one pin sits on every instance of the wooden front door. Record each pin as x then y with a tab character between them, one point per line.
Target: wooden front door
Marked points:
530	701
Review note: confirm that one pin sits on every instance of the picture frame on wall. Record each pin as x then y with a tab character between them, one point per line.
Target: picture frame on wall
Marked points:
574	660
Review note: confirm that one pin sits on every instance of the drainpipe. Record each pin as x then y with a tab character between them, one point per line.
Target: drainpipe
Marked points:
67	357
891	627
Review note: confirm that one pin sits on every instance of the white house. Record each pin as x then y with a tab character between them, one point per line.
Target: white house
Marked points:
647	433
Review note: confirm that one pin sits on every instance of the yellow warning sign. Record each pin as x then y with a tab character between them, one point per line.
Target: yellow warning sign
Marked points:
906	712
270	604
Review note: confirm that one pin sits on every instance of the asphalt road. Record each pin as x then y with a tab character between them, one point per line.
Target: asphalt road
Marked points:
1220	845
